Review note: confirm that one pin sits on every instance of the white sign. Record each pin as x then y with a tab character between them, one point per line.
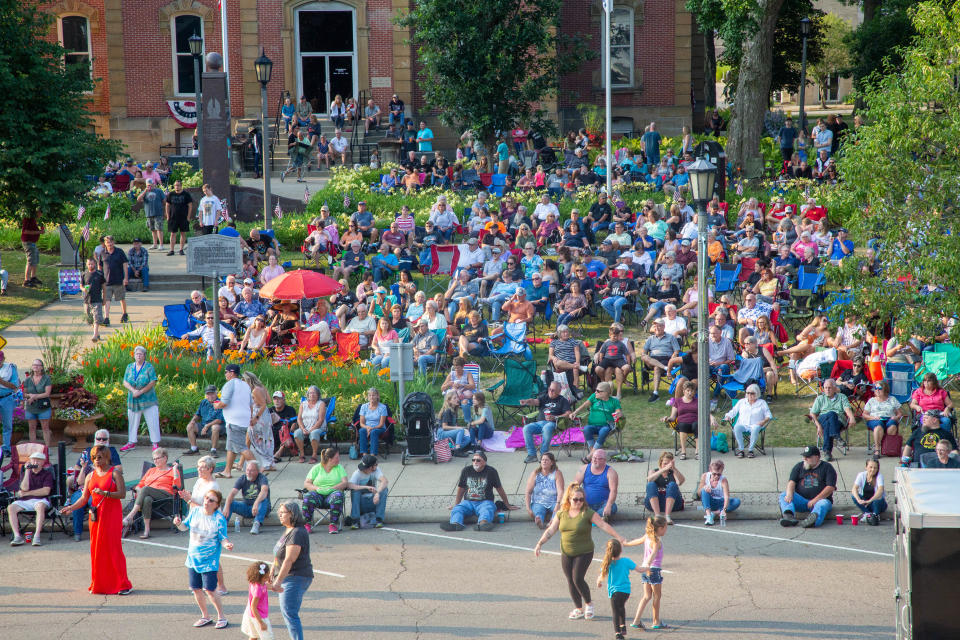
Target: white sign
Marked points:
214	254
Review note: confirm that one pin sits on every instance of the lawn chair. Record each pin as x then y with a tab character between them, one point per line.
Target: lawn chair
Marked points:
387	438
165	508
761	444
348	345
799	310
444	259
497	184
19	454
900	377
691	437
725	278
68	283
944	362
177	321
514	344
811	280
520	382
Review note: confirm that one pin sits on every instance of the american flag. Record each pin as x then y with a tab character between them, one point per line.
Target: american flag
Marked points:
676	195
306	194
86	231
80	211
224	214
106	214
277	211
739	187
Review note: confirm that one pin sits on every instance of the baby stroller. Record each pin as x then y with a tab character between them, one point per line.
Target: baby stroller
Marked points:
419	420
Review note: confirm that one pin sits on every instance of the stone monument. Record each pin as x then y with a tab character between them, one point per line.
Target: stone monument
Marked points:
216	129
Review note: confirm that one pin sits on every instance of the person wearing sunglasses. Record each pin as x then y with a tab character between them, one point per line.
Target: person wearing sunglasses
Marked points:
475	495
78	477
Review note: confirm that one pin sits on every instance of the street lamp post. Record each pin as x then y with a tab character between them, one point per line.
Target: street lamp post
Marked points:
264	67
196	50
702	177
805	30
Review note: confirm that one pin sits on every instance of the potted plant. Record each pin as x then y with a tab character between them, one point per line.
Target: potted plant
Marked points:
57	352
78	415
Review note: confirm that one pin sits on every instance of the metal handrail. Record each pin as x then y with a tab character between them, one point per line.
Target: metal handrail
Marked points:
275	139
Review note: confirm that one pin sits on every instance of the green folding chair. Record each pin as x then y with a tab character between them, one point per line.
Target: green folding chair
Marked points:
520	382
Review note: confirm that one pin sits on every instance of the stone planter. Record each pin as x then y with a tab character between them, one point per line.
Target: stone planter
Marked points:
80	430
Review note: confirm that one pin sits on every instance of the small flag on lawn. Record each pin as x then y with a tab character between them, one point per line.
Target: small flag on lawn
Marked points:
106	214
277	212
306	195
224	214
739	187
346	201
86	231
676	195
80	211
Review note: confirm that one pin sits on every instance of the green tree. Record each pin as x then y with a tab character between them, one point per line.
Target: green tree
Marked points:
834	54
875	44
46	148
486	65
899	175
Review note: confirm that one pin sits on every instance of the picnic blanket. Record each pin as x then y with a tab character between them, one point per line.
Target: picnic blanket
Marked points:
569	436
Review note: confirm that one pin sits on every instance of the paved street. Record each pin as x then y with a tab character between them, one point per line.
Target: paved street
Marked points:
750	580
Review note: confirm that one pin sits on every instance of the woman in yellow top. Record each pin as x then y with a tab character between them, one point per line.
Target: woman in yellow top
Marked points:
767	287
575	520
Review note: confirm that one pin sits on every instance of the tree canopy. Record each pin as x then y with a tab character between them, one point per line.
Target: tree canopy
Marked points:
900	173
46	147
834	54
486	65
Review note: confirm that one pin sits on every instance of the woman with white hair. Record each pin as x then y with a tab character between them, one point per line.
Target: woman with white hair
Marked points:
140	380
675	324
749	414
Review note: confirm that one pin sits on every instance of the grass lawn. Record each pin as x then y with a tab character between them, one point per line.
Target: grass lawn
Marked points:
19	301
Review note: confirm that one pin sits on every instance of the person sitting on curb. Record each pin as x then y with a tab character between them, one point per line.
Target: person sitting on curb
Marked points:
368	492
600	483
475	495
35	487
206	419
810	489
553	406
663	487
714	491
254	493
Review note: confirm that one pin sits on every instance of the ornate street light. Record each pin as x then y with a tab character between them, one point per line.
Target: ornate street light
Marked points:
264	68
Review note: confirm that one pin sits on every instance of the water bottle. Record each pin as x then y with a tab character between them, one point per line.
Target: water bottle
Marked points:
236	523
723	519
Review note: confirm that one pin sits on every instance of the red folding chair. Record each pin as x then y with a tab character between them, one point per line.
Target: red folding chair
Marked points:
348	345
443	262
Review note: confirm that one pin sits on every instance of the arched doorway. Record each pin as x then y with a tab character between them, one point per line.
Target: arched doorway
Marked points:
326	53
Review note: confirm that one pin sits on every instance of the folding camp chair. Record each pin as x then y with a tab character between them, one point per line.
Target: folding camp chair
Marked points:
165	508
520	382
443	262
691	439
19	454
811	279
68	282
944	362
900	378
497	184
725	278
761	443
860	395
348	345
387	438
514	344
177	321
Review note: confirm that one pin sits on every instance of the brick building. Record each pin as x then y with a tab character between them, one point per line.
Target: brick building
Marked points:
140	59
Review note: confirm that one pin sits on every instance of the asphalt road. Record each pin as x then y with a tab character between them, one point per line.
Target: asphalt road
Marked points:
750	580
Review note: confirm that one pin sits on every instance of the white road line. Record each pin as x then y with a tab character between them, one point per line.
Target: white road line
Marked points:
794	540
491	544
224	555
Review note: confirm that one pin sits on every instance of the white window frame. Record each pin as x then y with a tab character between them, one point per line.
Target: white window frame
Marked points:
332	5
89	37
629	46
175	55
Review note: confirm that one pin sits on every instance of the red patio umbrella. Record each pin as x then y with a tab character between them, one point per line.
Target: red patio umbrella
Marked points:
298	284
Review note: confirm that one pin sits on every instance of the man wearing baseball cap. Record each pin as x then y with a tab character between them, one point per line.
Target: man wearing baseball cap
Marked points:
282	415
809	490
235	399
425	345
364	221
207	419
36	485
368	492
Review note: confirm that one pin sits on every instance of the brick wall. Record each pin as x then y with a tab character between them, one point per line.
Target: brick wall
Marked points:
270	21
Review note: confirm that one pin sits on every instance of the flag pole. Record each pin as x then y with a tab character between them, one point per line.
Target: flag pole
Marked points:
607	8
224	38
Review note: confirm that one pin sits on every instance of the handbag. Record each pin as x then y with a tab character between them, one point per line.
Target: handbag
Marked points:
891	445
442	449
286	438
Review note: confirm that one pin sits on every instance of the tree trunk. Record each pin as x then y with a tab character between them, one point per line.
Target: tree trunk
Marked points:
870	9
710	70
753	92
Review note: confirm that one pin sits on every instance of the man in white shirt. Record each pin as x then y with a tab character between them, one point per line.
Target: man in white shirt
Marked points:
473	258
543	208
209	210
230	290
362	323
235	400
205	333
340	145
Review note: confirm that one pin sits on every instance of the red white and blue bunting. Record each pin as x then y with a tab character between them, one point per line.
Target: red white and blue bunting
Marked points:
184	112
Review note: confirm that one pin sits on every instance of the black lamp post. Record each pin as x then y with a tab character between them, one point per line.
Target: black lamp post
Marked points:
702	178
196	50
805	28
264	68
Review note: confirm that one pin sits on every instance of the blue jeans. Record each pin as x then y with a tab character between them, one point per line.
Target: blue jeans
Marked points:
658	307
460	437
396	118
290	599
144	275
4	278
565	318
241	508
596	435
716	504
614	306
480	432
6	418
496	302
362	502
672	491
483	509
446	234
425	362
544	428
380	362
80	513
799	505
380	272
876	507
369	443
600	506
543	511
832	427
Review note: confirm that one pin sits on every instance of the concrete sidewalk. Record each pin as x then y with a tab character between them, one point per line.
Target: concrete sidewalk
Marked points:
423	492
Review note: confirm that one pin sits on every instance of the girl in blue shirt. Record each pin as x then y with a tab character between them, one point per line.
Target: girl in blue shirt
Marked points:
616	569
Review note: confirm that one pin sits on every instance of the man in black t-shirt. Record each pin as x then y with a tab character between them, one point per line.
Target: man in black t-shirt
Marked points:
810	489
925	439
253	491
179	209
553	406
113	263
92	282
475	495
282	414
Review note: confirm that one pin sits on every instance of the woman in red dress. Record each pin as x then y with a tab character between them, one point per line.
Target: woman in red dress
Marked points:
108	564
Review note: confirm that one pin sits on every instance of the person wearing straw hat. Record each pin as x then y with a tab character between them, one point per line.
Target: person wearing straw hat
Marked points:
32	495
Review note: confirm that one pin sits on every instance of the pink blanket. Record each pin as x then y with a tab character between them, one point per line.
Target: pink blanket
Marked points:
569	436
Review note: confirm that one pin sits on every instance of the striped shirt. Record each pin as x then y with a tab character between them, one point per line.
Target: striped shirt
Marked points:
406	225
565	350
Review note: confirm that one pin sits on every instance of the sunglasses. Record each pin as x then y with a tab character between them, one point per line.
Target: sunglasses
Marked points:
478	460
576	499
101	439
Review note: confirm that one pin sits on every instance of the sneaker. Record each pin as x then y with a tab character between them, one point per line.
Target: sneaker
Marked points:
77	537
484	525
708	519
124	592
36	282
308	527
36	541
379	524
17	541
530	458
576	614
873	520
128	446
653	397
181	252
213	453
192	452
170	253
788	519
255	529
124	319
449	526
809	521
355	525
333	529
827	456
282	176
669	519
588	612
106	322
155	446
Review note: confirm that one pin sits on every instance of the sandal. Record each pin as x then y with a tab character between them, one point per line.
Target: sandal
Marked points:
683	456
302	460
750	454
740	453
144	535
313	459
221	624
202	622
220	474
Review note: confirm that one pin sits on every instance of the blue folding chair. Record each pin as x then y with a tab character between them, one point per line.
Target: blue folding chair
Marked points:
176	321
900	378
810	279
725	278
514	344
497	184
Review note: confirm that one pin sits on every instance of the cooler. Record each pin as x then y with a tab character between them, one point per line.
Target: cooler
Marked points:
927	562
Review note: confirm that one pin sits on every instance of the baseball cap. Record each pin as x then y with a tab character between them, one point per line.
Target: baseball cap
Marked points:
521	290
622	267
685	243
607	241
810	451
211	388
362	202
497	249
232	368
136	240
278	394
36	455
367	462
472	241
248	281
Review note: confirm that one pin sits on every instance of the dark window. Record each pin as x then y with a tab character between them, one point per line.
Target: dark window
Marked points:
184	27
76	40
326	31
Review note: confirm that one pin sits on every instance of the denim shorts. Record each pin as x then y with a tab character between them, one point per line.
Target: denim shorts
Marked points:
43	415
655	576
206	581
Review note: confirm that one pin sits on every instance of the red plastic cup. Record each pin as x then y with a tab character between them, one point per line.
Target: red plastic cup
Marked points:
854	519
28	536
839	519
